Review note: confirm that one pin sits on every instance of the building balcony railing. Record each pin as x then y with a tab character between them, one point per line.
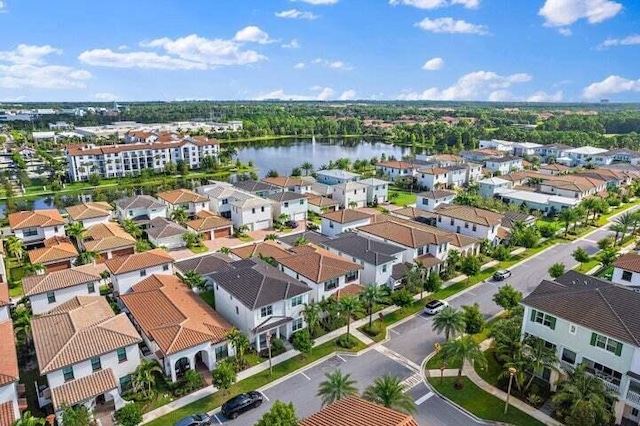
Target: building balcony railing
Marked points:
566	366
633	397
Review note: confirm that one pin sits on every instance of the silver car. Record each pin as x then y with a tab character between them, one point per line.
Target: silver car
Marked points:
435	306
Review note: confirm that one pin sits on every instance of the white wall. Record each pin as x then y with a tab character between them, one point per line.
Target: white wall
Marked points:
379	191
43	233
255	218
295	209
318	292
122	283
173	242
131	213
345	197
429	181
94	221
429	204
466	228
331	228
617	277
40	304
9	392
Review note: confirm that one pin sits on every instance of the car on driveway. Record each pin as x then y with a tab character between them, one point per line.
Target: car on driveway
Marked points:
291	224
435	306
501	275
241	403
201	419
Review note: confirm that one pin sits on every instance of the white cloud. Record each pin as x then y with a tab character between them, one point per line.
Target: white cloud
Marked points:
296	14
433	64
145	60
3	8
293	44
500	96
348	95
252	34
479	85
105	96
565	31
26	66
123	47
434	4
627	41
545	97
336	65
450	25
558	13
610	86
319	2
299	66
13	99
320	94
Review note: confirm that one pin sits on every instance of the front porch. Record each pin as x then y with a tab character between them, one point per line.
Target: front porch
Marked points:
275	327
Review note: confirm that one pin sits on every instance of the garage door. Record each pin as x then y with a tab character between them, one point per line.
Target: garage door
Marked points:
263	224
220	233
298	216
123	252
57	266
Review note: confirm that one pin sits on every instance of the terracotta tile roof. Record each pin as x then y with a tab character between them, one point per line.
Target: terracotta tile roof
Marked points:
413	213
318	265
4	294
35	218
172	315
286	181
446	158
428	260
7	415
434	171
135	262
456	240
555	167
348	290
56	240
89	210
56	253
346	216
396	164
355	411
38	284
77	330
266	249
408	235
574	183
161	227
628	262
437	193
503	233
86	149
8	357
179	196
103	237
470	214
207	221
84	388
320	201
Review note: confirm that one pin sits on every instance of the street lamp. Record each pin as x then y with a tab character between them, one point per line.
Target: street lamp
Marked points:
437	347
268	336
512	372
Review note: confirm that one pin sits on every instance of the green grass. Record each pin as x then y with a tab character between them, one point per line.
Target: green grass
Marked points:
493	369
435	362
586	267
199	249
251	383
403	198
245	238
480	403
209	297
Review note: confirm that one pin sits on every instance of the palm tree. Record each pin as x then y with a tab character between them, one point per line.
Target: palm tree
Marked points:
29	420
15	247
307	166
453	259
626	221
371	295
192	239
567	216
195	280
33	268
461	350
353	204
225	250
618	229
77	231
388	391
179	215
87	257
539	356
311	315
300	241
240	344
132	228
335	387
271	237
22	324
144	377
349	306
450	322
590	205
580	213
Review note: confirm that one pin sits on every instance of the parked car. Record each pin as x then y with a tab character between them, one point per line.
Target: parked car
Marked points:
501	275
291	224
435	306
201	419
241	403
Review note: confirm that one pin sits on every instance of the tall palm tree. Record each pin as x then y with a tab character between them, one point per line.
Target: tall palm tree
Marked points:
336	386
461	350
29	420
33	268
15	247
144	377
567	216
388	391
625	221
307	166
618	229
195	280
539	356
132	228
580	213
22	324
371	295
311	315
450	322
271	237
590	205
349	306
77	232
240	344
179	215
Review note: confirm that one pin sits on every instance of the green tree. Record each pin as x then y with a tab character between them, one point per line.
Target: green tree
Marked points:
605	243
402	298
28	419
142	246
192	239
195	280
15	247
22	324
311	315
433	282
413	279
302	341
129	415
78	415
87	257
307	166
460	350
625	221
580	255
272	173
567	216
33	268
371	295
180	215
473	319
336	386
450	322
618	229
144	378
389	392
132	228
77	231
453	259
539	356
349	306
506	333
556	270
280	414
240	344
271	237
224	376
225	250
507	297
607	257
470	265
94	179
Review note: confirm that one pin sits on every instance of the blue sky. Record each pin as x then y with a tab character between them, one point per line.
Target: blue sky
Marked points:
534	50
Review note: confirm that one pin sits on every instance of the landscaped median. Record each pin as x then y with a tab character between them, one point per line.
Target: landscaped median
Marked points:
254	382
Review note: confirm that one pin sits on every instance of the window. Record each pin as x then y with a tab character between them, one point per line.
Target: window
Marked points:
569	356
296	324
351	276
544	319
302	202
262	209
626	275
474	228
384	268
253	211
237	311
466	225
55	229
606	343
451	221
439	218
573	329
165	267
330	224
143	273
225	201
125	383
30	232
51	297
425	201
95	364
221	352
122	354
286	204
295	301
68	373
266	311
420	251
91	288
331	284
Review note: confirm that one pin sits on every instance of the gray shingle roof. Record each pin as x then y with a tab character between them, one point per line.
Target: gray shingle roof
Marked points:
255	186
161	227
370	251
311	236
437	193
285	196
205	265
139	202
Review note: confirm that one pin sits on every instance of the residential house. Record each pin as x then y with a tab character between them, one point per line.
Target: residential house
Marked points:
430	200
257	188
482	155
591	322
350	195
321	205
254	213
90	213
334	223
58	253
48	291
322	189
490	186
612	178
87	353
33	227
619	155
179	328
496	144
211	226
545	203
141	209
263	250
108	240
335	176
293	205
128	270
553	169
190	201
11	402
395	169
377	190
525	149
433	178
326	273
443	160
205	266
626	270
468	220
504	165
163	232
260	300
310	237
580	156
474	172
554	151
293	184
354	410
457	175
573	187
413	213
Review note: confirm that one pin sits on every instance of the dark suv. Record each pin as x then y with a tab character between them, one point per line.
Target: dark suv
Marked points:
241	403
201	419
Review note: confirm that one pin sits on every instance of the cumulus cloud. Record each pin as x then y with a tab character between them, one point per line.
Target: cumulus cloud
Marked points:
319	94
293	44
542	96
26	66
433	64
148	60
336	65
610	86
565	31
627	41
299	66
105	96
252	34
434	4
479	85
318	2
348	95
296	14
452	26
558	13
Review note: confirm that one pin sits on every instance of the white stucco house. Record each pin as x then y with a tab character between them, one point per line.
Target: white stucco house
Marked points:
504	165
350	194
188	200
35	226
626	270
335	176
377	189
429	200
129	270
141	209
336	222
469	221
163	232
292	204
89	214
11	401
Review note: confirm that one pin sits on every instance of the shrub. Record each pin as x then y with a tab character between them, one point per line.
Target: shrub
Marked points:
501	253
277	346
129	415
301	341
192	381
473	319
548	230
374	330
346	341
402	298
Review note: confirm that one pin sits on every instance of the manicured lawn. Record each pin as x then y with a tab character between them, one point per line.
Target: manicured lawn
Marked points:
403	198
586	267
435	362
209	297
493	369
199	249
245	238
480	403
254	382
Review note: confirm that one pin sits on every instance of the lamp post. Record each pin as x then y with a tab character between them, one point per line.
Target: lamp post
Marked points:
512	372
268	336
437	348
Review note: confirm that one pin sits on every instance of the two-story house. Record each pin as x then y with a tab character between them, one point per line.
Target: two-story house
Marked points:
58	253
291	204
48	291
86	352
10	402
626	270
429	200
254	213
350	195
504	165
395	169
335	176
377	190
553	169
573	187
468	220
163	232
128	270
337	222
321	205
491	186
181	330
432	178
140	208
292	184
33	227
190	201
257	188
211	226
592	322
90	213
326	273
108	240
263	249
259	299
554	151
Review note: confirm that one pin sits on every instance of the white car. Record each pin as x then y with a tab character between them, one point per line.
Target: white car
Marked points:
435	306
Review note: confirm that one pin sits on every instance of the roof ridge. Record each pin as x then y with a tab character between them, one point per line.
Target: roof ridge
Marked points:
255	301
618	317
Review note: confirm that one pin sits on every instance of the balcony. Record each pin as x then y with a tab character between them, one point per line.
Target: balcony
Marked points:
633	397
567	366
610	382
